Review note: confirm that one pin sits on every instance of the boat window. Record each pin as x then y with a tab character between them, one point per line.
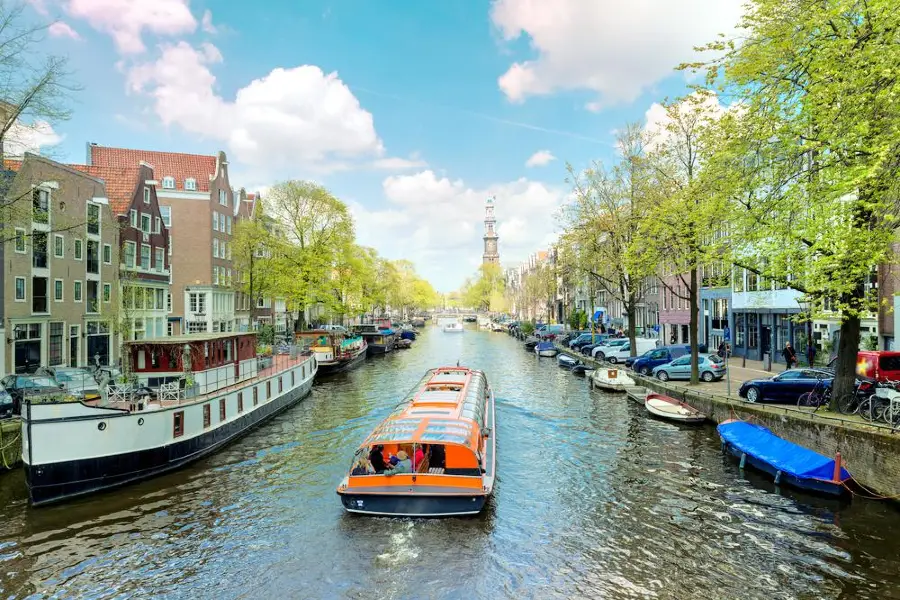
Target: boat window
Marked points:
443	437
240	402
178	424
221	409
255	395
206	417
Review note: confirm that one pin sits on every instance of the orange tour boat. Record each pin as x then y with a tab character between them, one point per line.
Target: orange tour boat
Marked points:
434	456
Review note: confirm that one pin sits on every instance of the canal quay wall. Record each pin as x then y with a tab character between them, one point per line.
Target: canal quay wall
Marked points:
10	443
870	452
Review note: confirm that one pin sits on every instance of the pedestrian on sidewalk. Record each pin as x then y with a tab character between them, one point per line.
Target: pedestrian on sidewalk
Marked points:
790	357
811	353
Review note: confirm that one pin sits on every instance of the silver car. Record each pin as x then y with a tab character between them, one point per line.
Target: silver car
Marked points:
78	382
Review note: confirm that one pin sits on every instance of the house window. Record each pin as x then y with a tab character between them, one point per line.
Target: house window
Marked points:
40	203
752	283
170	329
159	299
228	224
20	289
215	247
147	195
58	290
55	354
170	245
222	409
145	257
93	219
215	275
240	402
107	254
133	215
190	184
206	417
160	259
255	395
59	246
168	183
138	330
228	276
228	247
130	249
223	198
145	223
166	212
93	257
39	250
76	296
40	294
156	224
169	303
107	292
215	221
178	424
93	296
20	240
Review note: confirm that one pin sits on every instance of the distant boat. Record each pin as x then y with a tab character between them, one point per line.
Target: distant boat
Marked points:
546	349
380	340
454	327
403	344
787	462
567	362
334	350
611	380
671	409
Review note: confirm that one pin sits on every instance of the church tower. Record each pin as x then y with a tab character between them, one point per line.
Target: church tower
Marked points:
491	254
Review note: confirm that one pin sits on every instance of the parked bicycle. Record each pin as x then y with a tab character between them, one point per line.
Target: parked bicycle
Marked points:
820	395
849	404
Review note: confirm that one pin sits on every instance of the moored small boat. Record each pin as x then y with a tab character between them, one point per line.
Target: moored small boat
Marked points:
611	380
403	344
380	339
443	439
567	362
453	327
335	351
787	462
546	349
671	409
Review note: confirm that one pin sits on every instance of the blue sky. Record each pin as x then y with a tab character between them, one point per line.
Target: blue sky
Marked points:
411	112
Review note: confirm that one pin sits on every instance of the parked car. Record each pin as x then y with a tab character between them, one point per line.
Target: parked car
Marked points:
600	350
880	365
710	366
617	354
80	383
586	338
661	356
549	331
629	362
18	386
7	406
786	387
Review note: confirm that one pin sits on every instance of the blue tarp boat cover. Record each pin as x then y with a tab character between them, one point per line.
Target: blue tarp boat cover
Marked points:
787	457
545	346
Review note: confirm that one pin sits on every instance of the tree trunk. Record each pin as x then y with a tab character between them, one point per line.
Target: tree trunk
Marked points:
631	311
845	367
693	306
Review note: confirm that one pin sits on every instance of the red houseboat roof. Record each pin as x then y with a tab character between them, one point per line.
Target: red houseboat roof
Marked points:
189	338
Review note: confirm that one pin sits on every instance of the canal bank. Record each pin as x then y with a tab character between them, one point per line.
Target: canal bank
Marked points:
10	443
870	452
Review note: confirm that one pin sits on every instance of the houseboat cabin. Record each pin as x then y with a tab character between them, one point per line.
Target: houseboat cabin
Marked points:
435	455
216	360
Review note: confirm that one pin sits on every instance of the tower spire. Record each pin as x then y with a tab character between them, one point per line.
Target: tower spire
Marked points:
491	252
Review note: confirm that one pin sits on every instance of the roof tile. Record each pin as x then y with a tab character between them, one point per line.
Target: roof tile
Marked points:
165	164
120	184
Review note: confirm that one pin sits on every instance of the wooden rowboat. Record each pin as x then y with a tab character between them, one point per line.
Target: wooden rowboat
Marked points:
671	409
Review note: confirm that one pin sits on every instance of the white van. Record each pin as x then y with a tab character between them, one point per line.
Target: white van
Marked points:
620	353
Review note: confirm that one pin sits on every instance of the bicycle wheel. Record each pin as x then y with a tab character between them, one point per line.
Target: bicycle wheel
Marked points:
806	399
848	404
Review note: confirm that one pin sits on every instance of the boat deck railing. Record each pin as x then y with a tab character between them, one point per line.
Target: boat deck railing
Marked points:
174	393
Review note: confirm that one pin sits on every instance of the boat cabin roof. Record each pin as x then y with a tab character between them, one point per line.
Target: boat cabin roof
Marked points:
446	407
190	338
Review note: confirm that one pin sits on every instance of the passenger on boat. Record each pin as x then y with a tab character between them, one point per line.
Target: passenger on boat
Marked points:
404	465
438	457
418	457
362	468
377	459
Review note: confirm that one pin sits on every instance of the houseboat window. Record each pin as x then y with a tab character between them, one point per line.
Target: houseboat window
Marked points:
173	357
178	424
206	352
154	359
141	360
240	402
228	350
206	416
293	373
221	410
280	387
255	395
268	390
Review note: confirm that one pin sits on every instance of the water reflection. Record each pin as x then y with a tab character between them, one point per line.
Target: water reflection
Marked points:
593	499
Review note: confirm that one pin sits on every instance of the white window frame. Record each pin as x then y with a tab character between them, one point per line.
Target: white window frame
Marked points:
24	237
216	275
62	247
215	247
133	218
149	257
149	222
228	221
190	184
107	297
166	213
134	254
215	221
24	297
77	244
77	291
170	245
156	224
159	255
168	182
223	198
146	194
105	248
169	302
62	290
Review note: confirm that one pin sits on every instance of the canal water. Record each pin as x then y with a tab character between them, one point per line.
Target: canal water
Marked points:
594	500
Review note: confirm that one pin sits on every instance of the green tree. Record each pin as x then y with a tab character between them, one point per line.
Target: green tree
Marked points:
810	160
253	247
486	289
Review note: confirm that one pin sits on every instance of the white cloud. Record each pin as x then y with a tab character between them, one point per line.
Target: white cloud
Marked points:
616	49
290	117
399	164
61	29
657	118
541	158
206	22
127	20
430	219
22	138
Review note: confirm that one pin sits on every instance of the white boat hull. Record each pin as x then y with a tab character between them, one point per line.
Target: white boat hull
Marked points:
619	383
673	411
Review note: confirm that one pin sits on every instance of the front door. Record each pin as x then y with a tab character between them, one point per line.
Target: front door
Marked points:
74	332
766	339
